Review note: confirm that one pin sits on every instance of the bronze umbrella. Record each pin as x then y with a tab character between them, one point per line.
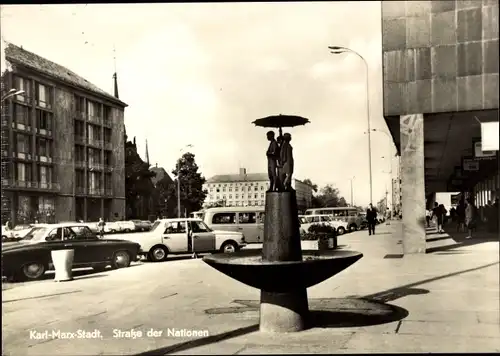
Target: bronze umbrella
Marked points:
280	121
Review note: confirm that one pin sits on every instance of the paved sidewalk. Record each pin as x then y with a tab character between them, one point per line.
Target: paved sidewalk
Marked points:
444	301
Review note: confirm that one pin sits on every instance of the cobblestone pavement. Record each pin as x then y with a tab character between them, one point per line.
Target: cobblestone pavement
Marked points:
450	298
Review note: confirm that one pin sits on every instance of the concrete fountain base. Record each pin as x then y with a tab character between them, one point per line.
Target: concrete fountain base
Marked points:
281	270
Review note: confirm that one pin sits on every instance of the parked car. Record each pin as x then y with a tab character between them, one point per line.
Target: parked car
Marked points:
125	226
17	233
248	220
307	221
141	225
30	257
111	227
184	235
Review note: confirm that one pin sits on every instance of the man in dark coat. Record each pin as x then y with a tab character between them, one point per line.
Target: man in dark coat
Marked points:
371	218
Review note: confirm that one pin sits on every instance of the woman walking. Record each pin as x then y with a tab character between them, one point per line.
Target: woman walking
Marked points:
470	217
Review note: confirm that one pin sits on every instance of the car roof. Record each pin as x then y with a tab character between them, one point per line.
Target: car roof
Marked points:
64	224
236	209
181	219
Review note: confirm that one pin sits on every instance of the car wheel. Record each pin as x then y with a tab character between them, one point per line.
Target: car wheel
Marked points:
4	237
121	259
126	230
229	247
158	254
33	271
340	231
353	227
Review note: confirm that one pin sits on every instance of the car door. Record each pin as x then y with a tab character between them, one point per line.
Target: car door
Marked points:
248	226
175	236
203	240
73	242
89	248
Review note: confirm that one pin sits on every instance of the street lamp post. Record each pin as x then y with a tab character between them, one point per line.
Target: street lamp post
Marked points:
340	50
179	182
352	195
12	93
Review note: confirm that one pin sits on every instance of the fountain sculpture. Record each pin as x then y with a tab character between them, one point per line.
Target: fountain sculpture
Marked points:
281	270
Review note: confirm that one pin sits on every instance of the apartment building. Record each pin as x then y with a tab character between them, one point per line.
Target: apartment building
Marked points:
249	189
63	144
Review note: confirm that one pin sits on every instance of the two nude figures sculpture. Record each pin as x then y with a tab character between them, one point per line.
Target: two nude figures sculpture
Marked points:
279	162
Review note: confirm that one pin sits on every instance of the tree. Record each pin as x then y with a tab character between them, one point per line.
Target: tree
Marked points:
328	197
191	181
161	197
309	182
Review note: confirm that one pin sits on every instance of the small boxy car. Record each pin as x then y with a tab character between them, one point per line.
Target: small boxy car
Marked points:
248	220
30	258
307	220
184	235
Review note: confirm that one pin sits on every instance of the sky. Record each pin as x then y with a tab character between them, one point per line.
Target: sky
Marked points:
200	73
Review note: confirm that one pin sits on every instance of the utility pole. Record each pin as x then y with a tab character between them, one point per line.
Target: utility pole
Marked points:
352	203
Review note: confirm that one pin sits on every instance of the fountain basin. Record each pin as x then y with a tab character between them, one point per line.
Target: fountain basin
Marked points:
282	276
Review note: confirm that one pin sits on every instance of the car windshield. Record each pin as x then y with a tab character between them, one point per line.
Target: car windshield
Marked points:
303	220
155	225
205	225
36	233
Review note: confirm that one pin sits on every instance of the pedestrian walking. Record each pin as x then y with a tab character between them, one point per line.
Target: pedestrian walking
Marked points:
100	225
461	216
437	213
428	214
371	218
470	217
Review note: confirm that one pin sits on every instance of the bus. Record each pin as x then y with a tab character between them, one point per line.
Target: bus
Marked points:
348	214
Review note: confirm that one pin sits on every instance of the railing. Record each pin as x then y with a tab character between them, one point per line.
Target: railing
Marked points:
94	191
95	119
96	143
21	126
13	183
44	159
80	139
44	104
44	132
80	164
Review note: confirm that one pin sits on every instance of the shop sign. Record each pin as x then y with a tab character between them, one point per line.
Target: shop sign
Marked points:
469	164
483	155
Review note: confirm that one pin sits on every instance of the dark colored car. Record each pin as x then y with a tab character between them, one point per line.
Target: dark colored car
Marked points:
30	258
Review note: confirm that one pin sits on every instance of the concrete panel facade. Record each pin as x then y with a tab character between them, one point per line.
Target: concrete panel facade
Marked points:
439	56
118	144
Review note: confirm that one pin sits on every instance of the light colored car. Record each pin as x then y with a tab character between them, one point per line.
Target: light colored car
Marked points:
184	235
142	225
248	220
111	227
306	221
125	226
18	232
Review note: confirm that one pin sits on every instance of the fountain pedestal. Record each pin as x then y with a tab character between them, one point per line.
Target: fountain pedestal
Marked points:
282	311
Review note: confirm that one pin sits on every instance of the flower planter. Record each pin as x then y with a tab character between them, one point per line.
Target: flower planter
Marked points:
327	241
63	264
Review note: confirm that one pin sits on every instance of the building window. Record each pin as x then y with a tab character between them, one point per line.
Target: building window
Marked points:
256	195
79	104
236	196
108	158
79	129
79	154
43	147
94	182
23	143
24	172
94	109
242	196
261	187
262	195
218	190
21	114
93	133
44	176
211	190
43	96
94	156
230	189
107	115
22	84
256	188
230	196
236	189
79	179
223	189
107	181
43	120
218	197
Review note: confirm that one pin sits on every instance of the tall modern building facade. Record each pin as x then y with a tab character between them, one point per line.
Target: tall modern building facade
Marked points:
249	189
440	62
62	144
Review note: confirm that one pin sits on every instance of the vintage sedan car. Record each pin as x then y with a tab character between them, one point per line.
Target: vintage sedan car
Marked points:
184	235
30	258
141	225
306	221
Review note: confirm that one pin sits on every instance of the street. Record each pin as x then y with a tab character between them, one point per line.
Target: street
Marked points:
183	305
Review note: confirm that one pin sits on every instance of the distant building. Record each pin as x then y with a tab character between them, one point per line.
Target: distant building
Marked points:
62	144
249	189
160	173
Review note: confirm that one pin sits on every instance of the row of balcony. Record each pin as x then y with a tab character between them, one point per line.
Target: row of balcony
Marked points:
27	128
95	119
14	183
27	156
108	192
82	140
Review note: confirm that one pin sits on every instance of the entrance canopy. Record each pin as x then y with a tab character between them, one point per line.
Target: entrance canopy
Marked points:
448	138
